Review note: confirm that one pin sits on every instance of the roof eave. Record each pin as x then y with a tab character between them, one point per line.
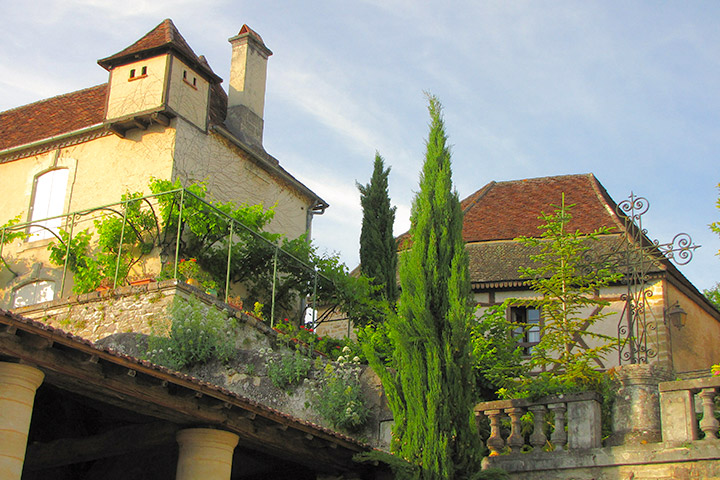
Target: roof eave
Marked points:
113	61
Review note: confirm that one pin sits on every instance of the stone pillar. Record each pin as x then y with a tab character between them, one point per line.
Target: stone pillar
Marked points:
636	413
584	424
18	384
205	453
678	416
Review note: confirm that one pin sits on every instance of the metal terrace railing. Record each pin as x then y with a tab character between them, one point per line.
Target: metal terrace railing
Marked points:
155	235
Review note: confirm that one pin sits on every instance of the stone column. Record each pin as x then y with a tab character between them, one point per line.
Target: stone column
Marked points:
205	453
18	384
584	422
636	413
677	410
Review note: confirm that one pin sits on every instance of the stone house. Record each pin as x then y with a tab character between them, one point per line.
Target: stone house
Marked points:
162	114
682	328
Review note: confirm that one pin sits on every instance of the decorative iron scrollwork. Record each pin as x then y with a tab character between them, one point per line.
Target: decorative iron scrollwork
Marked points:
635	261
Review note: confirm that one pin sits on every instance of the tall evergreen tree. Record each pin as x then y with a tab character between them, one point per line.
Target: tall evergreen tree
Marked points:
378	253
430	387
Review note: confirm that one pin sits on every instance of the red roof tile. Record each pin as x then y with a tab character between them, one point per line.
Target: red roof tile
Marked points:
162	38
506	210
51	117
246	29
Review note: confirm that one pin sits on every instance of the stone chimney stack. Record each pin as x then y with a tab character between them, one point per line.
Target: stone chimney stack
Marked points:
246	98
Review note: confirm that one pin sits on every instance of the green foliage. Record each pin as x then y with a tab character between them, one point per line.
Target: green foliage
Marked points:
88	271
430	388
288	369
196	334
566	287
189	270
10	234
303	337
497	357
713	294
338	399
129	234
378	252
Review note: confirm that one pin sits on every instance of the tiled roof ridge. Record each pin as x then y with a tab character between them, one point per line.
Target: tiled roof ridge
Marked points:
545	178
49	99
478	195
607	200
164	36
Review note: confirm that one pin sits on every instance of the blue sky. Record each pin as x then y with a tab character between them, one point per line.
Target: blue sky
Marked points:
625	90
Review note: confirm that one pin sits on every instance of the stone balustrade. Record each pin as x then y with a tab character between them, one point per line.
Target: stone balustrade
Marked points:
681	401
579	412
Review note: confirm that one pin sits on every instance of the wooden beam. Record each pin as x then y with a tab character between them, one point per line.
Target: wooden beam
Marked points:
120	441
161	119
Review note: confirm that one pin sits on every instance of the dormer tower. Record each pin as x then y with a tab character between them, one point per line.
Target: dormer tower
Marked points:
156	79
248	75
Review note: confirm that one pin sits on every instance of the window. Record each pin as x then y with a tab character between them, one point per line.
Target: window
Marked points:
528	329
35	292
48	201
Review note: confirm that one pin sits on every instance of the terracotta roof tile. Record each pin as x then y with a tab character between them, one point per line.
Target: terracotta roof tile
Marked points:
161	38
506	210
51	117
245	29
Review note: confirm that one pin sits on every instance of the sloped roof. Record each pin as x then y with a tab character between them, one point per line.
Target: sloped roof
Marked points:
506	210
66	347
502	211
52	117
164	37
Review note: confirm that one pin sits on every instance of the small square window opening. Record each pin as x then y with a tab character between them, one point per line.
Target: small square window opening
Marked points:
528	327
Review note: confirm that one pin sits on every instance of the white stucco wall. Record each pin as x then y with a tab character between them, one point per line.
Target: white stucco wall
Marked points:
128	95
231	175
188	93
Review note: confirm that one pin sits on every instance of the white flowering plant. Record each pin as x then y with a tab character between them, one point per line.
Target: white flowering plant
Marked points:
338	398
196	334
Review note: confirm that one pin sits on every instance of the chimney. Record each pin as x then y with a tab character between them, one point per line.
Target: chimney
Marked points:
246	99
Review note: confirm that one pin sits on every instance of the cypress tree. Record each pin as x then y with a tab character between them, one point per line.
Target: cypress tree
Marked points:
378	254
430	387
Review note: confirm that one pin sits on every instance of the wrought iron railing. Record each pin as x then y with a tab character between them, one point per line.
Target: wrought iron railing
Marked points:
164	230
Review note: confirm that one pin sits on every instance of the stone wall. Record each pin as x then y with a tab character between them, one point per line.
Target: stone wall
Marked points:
656	432
701	460
130	309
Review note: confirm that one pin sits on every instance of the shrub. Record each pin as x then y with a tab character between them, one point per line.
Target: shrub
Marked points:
196	334
286	370
338	398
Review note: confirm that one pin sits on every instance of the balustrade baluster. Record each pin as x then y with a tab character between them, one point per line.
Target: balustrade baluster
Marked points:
709	424
559	435
515	441
494	442
538	439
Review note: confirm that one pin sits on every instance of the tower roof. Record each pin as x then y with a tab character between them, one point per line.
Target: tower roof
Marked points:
163	38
